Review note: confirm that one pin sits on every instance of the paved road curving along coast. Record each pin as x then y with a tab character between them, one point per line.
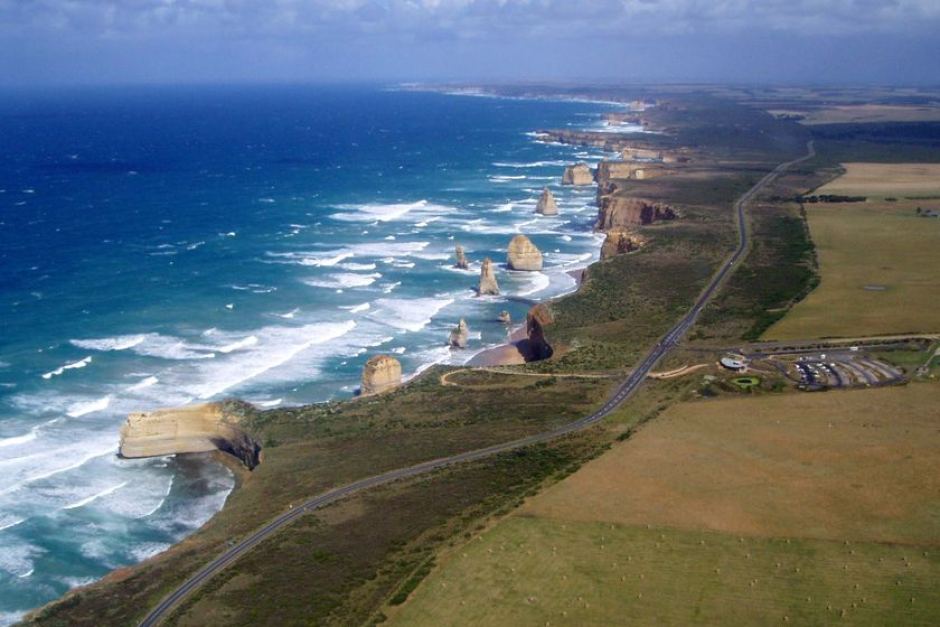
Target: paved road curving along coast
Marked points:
622	393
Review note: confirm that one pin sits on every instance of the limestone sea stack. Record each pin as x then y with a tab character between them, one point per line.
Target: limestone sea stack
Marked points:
578	174
461	258
546	204
523	255
380	374
504	317
460	335
191	429
488	283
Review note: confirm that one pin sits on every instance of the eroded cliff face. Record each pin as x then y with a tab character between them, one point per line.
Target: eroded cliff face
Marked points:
536	321
190	429
578	174
522	254
626	211
380	374
620	241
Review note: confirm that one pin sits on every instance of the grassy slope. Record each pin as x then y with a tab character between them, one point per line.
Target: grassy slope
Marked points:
782	508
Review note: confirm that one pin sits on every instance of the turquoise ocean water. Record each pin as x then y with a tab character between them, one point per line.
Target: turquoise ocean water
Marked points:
161	246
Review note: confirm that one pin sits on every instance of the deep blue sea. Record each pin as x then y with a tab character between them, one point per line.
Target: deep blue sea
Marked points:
162	246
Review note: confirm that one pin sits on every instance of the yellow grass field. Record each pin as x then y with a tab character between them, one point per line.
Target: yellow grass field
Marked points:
864	113
879	263
807	509
886	179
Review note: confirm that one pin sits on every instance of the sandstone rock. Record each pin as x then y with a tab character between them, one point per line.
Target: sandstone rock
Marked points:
460	335
644	154
381	373
607	170
190	429
488	283
578	174
538	318
522	254
546	204
621	211
620	241
461	261
504	317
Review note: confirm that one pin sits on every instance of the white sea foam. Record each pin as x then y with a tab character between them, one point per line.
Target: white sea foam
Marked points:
290	314
116	343
272	403
531	164
8	522
358	267
144	383
77	410
344	280
357	308
72	366
251	340
20	439
504	208
275	347
389	212
498	178
94	497
412	314
538	281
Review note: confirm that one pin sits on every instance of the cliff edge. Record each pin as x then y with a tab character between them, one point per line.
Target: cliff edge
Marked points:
190	429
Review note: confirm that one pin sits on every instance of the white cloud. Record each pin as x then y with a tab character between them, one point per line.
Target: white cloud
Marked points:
469	18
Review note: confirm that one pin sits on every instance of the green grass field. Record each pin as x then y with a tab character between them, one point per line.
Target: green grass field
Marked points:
878	273
537	571
807	508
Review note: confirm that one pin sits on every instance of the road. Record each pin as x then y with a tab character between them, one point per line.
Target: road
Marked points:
622	393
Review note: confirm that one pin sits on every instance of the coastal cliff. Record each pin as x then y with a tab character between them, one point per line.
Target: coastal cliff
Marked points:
190	429
620	241
380	374
537	346
625	211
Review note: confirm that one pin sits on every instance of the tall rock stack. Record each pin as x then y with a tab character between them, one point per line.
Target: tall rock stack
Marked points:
461	258
578	174
381	373
459	335
523	255
539	317
488	283
546	204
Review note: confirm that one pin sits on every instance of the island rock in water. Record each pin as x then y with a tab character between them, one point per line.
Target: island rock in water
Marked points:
461	262
578	174
546	204
460	335
488	283
523	255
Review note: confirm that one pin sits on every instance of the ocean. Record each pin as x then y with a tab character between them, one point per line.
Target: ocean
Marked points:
168	245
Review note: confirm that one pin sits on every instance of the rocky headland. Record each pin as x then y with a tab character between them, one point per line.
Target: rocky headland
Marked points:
380	374
190	429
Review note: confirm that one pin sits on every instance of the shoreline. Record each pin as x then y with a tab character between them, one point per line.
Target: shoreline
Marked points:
504	354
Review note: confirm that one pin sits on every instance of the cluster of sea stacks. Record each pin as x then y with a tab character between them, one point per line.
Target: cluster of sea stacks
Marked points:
215	426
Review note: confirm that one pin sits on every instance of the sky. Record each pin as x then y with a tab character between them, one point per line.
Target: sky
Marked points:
50	42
